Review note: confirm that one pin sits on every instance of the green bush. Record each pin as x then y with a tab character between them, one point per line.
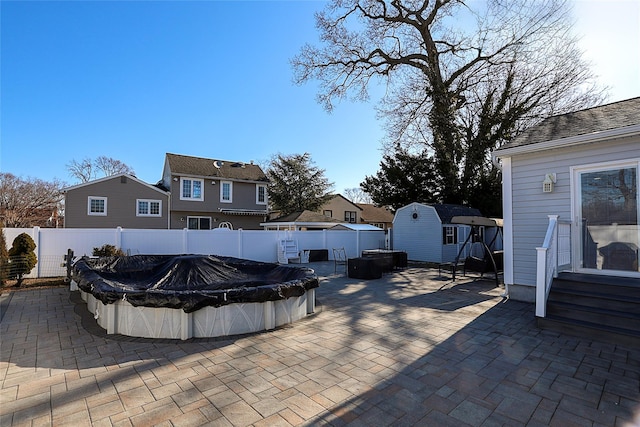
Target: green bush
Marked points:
22	257
108	250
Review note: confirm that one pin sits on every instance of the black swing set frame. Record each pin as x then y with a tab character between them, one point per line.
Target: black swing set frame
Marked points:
473	263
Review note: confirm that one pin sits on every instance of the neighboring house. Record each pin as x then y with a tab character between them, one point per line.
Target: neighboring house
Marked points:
301	221
375	215
116	201
340	208
425	232
194	193
206	193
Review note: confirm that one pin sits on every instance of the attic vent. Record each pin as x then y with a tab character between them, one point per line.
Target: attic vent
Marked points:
123	180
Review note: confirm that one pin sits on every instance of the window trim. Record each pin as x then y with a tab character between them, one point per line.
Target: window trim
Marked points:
222	184
328	213
349	219
446	234
191	198
149	202
89	212
258	187
199	218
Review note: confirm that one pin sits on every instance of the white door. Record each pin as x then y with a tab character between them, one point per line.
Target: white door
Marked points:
607	236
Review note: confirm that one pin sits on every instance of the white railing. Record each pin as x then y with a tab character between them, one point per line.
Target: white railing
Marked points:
552	257
257	245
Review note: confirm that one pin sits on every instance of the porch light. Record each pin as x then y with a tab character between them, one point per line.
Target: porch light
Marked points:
547	184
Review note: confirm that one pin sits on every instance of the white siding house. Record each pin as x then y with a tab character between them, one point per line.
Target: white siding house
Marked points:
590	160
426	234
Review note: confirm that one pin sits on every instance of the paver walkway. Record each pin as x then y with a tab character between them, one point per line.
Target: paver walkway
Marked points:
408	349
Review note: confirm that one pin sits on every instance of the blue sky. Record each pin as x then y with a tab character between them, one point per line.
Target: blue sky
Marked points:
134	80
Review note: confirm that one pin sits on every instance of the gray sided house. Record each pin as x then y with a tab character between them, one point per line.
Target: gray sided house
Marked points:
206	193
425	232
116	201
582	170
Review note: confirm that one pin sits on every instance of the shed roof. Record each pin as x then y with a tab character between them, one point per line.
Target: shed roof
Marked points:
447	211
356	227
202	167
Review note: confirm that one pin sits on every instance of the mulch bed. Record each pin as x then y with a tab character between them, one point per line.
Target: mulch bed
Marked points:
31	284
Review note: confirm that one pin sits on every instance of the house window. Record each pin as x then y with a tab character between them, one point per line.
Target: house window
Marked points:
261	194
328	213
148	207
378	224
449	235
226	192
97	206
350	216
199	223
191	189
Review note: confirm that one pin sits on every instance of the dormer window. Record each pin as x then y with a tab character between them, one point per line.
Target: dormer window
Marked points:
191	189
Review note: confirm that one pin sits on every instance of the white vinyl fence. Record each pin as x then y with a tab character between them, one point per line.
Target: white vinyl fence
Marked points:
258	245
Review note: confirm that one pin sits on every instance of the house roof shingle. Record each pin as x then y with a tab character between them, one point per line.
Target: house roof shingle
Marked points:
305	216
583	122
372	213
198	166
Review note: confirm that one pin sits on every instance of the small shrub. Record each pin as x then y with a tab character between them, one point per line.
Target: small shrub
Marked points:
108	250
22	257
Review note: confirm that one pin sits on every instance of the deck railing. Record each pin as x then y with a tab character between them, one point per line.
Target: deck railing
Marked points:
552	257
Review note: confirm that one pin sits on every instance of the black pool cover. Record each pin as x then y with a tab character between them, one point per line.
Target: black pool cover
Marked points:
189	282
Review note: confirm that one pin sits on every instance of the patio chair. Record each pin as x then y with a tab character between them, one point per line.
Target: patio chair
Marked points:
339	258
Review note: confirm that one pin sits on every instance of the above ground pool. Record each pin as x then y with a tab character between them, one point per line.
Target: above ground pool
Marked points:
184	296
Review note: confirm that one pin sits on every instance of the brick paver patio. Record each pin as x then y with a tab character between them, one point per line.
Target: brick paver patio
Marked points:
409	349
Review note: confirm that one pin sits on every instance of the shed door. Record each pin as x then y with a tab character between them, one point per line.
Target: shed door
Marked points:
607	209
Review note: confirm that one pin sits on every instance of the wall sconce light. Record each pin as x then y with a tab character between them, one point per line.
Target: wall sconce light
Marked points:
213	183
175	178
547	184
182	218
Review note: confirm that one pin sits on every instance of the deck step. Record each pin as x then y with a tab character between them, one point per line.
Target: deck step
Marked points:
605	307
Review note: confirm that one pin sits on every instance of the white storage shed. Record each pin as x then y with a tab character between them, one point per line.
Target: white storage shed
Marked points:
426	234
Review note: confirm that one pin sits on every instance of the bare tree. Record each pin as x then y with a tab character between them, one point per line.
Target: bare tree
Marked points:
29	202
109	166
87	169
462	77
357	195
82	171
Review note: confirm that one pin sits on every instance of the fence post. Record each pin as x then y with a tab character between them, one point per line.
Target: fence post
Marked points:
541	282
185	241
240	247
119	237
36	239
